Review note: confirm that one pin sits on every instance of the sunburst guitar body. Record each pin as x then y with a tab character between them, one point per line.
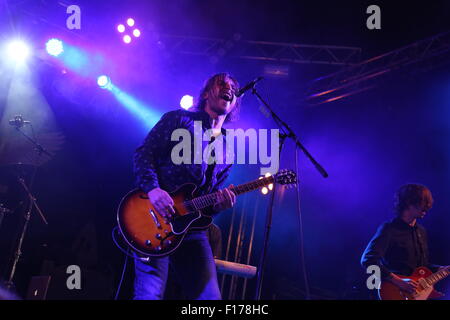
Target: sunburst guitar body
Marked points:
426	280
149	234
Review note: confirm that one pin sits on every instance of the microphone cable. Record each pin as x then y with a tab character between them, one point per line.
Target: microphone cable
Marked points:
301	237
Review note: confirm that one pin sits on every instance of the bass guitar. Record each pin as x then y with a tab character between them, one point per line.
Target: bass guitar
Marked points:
150	234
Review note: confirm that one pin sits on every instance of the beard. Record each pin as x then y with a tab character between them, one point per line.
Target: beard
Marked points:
221	107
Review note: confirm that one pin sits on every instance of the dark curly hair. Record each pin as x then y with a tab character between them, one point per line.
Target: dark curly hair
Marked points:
201	102
412	194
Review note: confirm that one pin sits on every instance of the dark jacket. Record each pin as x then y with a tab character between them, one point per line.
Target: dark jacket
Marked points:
398	248
153	165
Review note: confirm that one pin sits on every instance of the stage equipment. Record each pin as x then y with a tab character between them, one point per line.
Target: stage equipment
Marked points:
127	30
367	74
30	198
285	132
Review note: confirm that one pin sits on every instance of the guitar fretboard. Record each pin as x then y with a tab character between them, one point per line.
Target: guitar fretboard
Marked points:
210	199
438	276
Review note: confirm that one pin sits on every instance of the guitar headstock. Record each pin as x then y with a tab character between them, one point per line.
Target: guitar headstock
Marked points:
286	177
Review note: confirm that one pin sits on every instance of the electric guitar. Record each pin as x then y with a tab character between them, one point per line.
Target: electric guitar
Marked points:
150	234
426	280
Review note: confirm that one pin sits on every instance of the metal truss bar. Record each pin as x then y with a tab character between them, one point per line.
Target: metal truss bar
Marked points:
263	50
349	78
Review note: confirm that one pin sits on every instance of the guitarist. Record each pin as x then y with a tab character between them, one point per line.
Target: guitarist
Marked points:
192	263
400	245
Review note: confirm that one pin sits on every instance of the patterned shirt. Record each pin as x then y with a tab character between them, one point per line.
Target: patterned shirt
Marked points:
153	165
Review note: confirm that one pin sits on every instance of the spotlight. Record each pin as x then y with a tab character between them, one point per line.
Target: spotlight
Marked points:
18	51
126	38
104	82
130	22
187	102
128	30
54	47
121	28
136	33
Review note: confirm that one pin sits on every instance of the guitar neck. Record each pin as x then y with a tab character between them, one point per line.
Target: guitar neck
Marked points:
210	199
438	276
252	185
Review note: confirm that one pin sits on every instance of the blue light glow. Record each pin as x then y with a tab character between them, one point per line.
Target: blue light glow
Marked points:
142	111
76	60
104	82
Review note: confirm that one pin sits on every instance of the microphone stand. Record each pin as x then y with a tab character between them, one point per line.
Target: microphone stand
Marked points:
286	132
32	203
39	148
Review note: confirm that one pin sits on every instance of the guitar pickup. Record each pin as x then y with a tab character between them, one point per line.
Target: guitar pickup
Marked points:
155	219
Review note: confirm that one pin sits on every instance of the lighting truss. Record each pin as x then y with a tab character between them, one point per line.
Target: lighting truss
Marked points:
262	50
367	74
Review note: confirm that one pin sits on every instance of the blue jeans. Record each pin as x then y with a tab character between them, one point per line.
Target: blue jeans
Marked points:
192	263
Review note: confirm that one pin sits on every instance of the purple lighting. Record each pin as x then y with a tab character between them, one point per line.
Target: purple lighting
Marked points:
126	38
121	28
130	22
128	30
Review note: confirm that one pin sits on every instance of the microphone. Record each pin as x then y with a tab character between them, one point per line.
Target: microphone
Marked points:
18	121
247	87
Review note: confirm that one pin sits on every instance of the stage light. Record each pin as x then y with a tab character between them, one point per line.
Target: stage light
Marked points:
54	47
121	28
130	22
18	51
128	30
104	82
270	185
136	33
187	102
126	38
264	190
